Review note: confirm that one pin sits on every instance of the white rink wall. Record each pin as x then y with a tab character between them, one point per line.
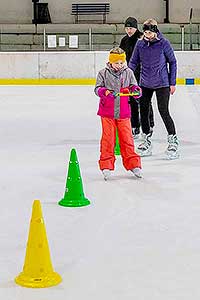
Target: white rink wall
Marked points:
58	65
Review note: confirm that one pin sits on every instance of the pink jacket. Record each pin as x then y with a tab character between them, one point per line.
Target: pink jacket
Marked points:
108	79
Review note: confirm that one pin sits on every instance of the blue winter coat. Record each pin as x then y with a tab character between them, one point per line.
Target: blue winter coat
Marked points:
157	62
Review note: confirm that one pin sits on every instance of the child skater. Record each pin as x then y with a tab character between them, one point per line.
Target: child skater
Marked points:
115	113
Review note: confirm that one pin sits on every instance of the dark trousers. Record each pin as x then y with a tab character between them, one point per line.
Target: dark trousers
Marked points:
135	114
162	95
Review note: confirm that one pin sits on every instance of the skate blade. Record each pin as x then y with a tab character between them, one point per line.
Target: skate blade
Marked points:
106	176
138	176
144	154
173	156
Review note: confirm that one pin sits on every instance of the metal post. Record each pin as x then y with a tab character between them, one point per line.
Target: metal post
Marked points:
34	21
90	39
166	19
44	33
191	13
0	37
182	37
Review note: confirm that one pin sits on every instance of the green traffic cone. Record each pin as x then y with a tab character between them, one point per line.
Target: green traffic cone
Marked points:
74	195
117	147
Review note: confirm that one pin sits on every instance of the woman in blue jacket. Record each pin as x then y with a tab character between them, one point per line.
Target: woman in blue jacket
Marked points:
158	66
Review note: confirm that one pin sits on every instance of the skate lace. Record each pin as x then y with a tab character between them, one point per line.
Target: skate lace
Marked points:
172	147
173	143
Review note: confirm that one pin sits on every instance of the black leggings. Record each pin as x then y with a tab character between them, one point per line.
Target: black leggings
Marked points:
162	95
135	114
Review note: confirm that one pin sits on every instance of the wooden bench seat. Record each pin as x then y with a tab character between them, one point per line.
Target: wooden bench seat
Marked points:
90	9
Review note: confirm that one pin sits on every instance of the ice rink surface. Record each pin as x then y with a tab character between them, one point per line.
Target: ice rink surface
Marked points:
139	239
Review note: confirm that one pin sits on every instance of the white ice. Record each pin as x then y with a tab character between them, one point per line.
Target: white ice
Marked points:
139	239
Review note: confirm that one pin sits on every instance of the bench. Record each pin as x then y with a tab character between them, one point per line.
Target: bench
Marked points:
90	9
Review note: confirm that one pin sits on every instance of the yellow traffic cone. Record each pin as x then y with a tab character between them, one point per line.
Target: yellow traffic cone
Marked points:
38	270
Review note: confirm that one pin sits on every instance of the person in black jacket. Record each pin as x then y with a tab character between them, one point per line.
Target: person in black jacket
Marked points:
128	43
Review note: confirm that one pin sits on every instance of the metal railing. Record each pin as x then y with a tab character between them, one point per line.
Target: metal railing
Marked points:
194	20
182	37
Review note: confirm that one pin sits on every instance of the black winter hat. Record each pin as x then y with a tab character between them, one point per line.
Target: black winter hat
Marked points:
131	22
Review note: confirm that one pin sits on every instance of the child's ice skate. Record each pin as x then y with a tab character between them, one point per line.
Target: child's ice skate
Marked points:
172	149
137	172
145	148
106	174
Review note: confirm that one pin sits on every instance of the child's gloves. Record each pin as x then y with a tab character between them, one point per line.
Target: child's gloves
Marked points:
101	91
104	92
136	89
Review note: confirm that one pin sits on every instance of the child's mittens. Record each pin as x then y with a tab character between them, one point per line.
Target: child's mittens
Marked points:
138	90
101	92
104	92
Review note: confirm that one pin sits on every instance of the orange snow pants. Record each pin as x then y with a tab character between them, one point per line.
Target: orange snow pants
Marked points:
130	159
